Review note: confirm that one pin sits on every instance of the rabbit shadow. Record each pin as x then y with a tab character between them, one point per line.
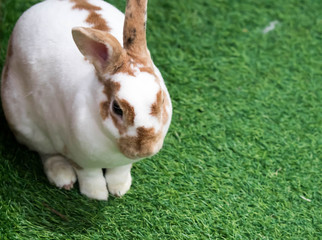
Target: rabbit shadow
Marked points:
24	186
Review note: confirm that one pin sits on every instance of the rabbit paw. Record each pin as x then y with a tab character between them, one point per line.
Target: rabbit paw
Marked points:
118	187
94	189
92	184
59	172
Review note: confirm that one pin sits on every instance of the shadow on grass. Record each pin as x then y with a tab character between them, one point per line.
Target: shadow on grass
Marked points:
26	194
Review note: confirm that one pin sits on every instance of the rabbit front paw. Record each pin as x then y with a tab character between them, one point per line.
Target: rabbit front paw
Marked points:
118	189
119	180
95	190
59	172
92	184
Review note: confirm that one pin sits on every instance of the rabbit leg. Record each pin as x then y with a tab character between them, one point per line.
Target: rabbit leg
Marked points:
119	180
59	171
92	183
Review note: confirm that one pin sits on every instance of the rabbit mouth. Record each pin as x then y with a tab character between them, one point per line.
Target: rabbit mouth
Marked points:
138	156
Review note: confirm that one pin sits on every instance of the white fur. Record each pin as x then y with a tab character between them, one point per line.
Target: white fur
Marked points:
51	96
141	94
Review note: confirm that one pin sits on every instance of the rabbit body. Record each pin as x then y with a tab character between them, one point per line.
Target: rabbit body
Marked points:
52	95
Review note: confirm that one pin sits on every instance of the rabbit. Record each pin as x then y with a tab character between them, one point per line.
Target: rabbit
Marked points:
80	88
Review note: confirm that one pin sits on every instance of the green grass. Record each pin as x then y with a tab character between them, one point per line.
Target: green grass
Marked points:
243	157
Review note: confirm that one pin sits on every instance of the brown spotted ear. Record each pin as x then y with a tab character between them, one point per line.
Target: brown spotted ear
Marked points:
100	48
134	32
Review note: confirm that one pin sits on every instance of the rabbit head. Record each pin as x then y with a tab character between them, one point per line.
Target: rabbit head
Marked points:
136	108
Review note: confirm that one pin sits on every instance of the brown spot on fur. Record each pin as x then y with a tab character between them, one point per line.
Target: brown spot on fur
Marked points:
84	5
125	67
97	22
148	70
104	109
166	103
159	107
141	146
156	106
93	18
110	88
128	111
128	61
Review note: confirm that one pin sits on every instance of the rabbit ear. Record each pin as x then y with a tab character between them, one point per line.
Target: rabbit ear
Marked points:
99	47
134	32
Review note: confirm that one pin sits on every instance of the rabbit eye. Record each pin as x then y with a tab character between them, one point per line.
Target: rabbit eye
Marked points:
117	109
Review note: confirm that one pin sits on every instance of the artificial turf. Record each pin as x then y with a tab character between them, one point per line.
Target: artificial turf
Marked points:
242	159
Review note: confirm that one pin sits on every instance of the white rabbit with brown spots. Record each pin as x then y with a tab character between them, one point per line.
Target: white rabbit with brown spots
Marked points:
80	88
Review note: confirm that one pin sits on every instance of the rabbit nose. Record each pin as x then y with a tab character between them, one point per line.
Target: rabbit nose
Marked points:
145	144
